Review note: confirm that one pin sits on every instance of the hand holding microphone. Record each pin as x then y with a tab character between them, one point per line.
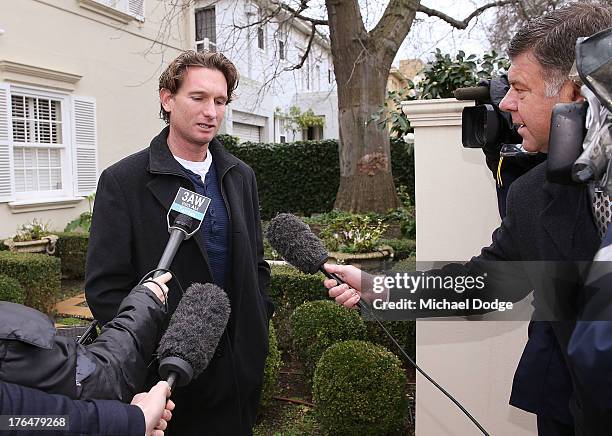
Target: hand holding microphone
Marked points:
348	293
158	286
156	408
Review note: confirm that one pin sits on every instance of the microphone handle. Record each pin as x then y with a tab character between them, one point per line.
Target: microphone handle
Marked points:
338	280
176	237
172	379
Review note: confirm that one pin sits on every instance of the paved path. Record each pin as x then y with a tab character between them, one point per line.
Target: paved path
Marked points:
74	306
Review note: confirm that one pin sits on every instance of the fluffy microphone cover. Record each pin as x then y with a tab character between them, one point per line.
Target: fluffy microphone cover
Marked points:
294	240
196	326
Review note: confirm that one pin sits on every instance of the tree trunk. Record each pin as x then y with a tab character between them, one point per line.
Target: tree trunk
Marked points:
361	69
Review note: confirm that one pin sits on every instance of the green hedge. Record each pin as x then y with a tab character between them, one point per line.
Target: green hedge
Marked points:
359	389
272	368
316	325
402	248
290	288
71	248
281	170
11	290
38	274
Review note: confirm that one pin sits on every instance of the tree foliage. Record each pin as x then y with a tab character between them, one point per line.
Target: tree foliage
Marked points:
439	79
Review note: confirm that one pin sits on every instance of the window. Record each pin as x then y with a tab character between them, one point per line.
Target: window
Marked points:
37	143
47	145
306	67
206	30
261	37
281	50
135	8
329	76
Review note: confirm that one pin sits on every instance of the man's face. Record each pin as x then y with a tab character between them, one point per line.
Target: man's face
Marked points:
197	108
526	100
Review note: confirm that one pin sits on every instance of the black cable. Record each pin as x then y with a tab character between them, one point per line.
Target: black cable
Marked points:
418	368
365	307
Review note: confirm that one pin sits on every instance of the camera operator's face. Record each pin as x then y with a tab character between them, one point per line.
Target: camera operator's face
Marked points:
526	100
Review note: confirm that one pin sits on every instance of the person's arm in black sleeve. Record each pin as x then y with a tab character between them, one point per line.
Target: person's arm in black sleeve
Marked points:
109	275
123	351
263	268
84	417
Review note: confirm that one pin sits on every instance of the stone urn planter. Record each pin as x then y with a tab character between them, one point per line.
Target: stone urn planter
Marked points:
366	261
44	245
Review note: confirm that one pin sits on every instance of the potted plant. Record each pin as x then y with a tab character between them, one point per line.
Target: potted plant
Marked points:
355	239
33	237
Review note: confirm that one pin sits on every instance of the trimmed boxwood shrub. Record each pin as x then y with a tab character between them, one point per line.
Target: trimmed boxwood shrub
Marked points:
38	274
272	368
11	290
280	168
71	248
316	325
288	289
359	389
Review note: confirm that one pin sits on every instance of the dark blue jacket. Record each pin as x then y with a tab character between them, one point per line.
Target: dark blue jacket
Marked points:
91	417
549	222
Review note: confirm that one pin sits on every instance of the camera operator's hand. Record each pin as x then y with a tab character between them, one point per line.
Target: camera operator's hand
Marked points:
160	289
156	407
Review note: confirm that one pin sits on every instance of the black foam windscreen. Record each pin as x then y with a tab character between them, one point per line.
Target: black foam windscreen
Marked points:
296	243
196	326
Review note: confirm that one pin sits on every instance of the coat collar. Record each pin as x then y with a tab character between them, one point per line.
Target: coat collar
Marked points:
567	220
161	160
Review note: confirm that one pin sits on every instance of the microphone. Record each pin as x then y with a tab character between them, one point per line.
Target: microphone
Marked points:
194	331
478	93
191	208
296	243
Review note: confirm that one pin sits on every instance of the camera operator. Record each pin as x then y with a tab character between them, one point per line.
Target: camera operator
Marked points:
544	221
148	413
113	367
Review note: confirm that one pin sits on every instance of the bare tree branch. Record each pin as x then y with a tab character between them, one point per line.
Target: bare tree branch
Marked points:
463	23
306	52
297	13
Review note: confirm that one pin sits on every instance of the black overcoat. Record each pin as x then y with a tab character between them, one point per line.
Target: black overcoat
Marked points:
128	235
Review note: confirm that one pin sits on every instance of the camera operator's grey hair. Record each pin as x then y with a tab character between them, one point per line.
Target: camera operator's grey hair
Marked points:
552	39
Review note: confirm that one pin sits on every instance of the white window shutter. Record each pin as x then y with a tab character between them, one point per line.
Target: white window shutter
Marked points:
85	145
136	8
6	174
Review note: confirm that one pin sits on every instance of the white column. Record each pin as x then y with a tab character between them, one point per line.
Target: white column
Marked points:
456	212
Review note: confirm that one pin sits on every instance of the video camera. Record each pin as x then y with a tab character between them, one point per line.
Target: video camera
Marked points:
485	125
580	145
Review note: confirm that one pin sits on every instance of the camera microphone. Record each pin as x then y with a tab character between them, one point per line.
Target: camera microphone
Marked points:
478	93
194	331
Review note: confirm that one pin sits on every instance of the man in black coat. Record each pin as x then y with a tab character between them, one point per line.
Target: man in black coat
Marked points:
129	233
544	222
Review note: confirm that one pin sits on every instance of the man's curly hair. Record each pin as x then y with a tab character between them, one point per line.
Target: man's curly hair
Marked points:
172	78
